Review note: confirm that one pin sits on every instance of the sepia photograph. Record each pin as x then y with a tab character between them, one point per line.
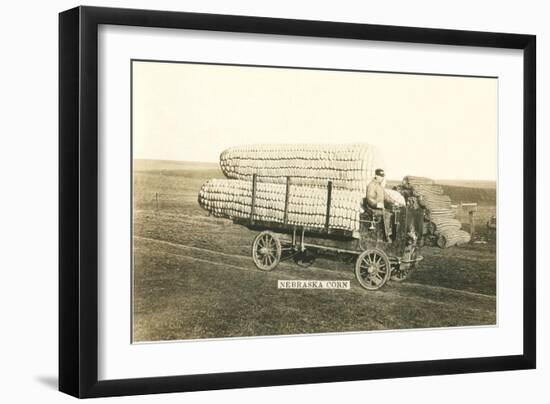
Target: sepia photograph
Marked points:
273	201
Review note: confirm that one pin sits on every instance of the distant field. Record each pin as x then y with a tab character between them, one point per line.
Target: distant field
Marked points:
194	278
469	183
171	165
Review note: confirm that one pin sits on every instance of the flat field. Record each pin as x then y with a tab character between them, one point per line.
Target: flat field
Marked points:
194	277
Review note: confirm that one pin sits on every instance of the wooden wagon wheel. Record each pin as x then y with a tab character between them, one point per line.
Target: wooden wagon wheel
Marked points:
372	269
266	251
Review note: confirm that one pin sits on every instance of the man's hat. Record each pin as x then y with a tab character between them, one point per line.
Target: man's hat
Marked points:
379	172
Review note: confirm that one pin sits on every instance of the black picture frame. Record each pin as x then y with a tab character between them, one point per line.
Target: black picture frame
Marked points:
78	200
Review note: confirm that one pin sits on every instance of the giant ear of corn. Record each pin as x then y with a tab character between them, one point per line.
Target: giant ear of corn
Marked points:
347	166
307	206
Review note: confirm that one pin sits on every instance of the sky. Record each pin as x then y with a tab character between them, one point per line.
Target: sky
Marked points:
435	126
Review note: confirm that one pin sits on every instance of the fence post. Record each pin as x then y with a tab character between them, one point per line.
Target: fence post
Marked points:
287	194
329	197
253	205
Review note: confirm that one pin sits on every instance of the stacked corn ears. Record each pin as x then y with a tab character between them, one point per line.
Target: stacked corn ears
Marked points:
307	206
347	166
445	226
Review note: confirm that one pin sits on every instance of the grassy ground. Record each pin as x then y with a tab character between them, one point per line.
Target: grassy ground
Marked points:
194	278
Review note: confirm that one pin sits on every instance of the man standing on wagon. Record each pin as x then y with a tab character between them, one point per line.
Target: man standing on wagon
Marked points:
375	200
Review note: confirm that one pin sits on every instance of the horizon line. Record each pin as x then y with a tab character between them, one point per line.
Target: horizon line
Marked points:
389	179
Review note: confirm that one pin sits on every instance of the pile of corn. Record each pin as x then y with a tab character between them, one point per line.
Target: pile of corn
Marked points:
307	206
347	166
444	225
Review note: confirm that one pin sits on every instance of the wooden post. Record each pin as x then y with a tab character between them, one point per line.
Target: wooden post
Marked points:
472	223
157	199
285	220
329	197
253	205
